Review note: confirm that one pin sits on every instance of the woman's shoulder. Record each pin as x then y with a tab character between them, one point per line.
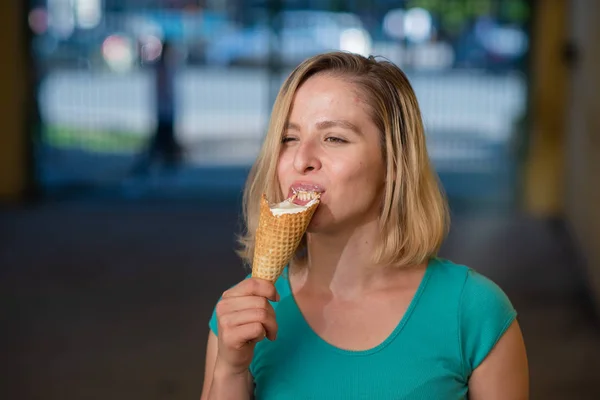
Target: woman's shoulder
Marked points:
448	268
470	280
447	277
485	313
484	309
479	297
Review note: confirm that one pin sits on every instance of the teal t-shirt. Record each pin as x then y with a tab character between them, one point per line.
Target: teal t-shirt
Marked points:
454	320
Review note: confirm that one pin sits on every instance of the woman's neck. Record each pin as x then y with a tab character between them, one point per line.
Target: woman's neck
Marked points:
342	265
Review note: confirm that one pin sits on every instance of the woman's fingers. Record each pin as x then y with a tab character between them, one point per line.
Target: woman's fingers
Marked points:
264	316
233	304
245	314
239	337
245	317
253	287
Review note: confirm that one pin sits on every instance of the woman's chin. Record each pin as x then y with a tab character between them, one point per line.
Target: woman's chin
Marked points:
323	221
314	226
319	224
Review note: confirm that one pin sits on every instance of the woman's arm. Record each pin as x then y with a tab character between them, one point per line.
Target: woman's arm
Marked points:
504	374
218	384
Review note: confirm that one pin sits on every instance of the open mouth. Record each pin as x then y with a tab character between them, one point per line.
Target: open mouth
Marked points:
302	198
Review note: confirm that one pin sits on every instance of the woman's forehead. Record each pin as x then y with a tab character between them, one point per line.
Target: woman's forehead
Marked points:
328	96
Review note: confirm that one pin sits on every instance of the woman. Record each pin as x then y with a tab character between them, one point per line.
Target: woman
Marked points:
365	309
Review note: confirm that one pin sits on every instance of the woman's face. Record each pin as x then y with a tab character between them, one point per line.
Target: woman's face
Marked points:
332	146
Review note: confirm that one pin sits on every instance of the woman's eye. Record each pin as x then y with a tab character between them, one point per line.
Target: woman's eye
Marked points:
287	139
333	139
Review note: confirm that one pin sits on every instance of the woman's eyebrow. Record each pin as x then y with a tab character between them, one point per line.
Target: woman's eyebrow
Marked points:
291	126
340	123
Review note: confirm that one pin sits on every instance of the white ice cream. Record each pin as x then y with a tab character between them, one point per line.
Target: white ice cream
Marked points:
288	207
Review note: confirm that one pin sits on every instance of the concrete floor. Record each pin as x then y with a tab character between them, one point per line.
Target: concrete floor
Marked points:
111	301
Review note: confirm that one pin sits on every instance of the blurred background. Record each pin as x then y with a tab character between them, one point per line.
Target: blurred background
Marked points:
96	62
129	126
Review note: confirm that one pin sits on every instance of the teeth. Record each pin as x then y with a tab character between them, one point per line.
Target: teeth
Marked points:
306	196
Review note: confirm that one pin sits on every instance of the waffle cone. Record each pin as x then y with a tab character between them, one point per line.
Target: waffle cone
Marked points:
277	239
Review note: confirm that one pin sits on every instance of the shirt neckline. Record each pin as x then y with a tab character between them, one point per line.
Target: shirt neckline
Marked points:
399	327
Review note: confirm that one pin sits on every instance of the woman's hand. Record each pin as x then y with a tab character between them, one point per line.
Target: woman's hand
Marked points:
245	318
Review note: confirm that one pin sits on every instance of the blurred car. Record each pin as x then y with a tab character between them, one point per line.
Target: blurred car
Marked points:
137	38
302	34
191	31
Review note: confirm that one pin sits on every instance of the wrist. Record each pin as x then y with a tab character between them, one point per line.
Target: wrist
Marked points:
226	372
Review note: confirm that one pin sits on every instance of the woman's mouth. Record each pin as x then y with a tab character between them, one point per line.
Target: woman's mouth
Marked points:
302	198
304	194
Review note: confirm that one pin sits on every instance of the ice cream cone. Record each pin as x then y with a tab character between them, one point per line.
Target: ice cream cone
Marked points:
277	238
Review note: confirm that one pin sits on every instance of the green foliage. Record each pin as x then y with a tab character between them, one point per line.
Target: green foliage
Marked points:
454	15
93	140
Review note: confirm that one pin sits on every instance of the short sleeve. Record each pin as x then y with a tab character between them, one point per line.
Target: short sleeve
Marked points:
213	323
485	314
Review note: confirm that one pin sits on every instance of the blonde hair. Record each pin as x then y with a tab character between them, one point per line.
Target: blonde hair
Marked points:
414	217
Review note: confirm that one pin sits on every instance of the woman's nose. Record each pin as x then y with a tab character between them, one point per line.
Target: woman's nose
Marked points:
307	158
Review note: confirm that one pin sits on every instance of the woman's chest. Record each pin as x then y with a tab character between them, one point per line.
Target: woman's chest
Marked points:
315	372
354	325
420	359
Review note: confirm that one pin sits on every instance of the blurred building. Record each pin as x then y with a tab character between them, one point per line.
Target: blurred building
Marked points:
555	130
